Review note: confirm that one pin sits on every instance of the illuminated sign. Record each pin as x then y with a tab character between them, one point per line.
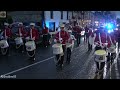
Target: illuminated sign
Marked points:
3	14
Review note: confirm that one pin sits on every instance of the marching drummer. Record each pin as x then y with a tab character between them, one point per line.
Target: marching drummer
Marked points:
45	32
34	36
61	37
100	42
71	40
111	44
21	33
7	34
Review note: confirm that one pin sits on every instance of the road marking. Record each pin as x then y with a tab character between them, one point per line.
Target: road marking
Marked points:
29	65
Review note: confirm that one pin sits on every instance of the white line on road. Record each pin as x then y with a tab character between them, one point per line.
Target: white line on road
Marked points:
28	66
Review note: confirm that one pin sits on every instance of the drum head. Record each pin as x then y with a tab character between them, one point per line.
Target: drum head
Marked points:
57	45
68	44
100	52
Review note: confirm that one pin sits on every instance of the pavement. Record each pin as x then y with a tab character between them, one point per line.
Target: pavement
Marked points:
82	65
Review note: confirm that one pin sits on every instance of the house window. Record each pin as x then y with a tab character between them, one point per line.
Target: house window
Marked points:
61	14
51	14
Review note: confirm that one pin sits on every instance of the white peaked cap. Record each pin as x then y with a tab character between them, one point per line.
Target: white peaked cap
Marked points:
32	24
20	23
62	25
70	31
6	24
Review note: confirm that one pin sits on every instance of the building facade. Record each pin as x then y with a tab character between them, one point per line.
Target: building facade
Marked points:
54	18
26	16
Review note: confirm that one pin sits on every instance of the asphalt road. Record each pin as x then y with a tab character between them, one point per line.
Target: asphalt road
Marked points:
82	65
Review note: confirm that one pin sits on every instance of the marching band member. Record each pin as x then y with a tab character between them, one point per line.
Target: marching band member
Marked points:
61	37
21	33
91	39
34	36
45	32
111	44
74	31
71	40
100	42
78	29
86	34
7	34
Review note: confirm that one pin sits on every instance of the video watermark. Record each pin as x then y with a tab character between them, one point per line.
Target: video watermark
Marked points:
8	76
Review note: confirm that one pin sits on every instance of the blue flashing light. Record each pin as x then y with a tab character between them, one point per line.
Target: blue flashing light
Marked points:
109	26
109	31
47	24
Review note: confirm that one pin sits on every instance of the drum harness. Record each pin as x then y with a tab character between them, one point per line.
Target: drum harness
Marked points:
33	50
60	54
18	46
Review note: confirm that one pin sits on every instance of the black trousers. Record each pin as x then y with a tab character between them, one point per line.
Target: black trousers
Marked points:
111	57
89	46
68	54
118	45
8	51
86	37
60	62
102	64
78	39
45	40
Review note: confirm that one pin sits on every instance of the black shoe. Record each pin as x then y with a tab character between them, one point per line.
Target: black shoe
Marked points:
33	59
61	66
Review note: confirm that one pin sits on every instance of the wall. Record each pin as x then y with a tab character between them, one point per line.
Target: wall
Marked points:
56	17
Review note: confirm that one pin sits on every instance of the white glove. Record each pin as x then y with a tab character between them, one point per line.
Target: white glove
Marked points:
60	39
55	40
27	38
33	38
6	37
2	37
20	34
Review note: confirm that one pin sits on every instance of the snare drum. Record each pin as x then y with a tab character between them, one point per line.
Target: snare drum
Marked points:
100	55
18	40
57	49
112	49
4	44
30	45
68	45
